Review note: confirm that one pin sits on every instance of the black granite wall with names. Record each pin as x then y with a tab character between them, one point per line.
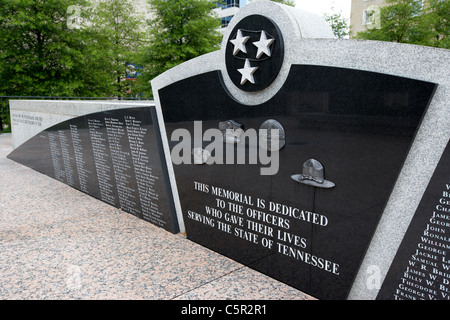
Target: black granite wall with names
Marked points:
421	267
115	156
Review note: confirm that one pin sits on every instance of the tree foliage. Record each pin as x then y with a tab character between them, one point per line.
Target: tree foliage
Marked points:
180	30
39	55
82	47
413	21
67	47
118	31
338	24
435	24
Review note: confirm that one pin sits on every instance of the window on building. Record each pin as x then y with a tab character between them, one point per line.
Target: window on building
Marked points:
225	21
228	4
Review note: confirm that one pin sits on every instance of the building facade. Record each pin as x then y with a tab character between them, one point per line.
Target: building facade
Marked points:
365	14
228	9
225	10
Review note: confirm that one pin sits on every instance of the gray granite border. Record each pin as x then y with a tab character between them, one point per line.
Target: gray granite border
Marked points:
30	117
409	61
294	24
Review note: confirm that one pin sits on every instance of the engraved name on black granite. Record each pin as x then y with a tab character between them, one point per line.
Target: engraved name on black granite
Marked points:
421	267
115	156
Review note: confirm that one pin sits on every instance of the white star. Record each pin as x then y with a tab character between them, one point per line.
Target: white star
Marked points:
247	72
263	45
239	43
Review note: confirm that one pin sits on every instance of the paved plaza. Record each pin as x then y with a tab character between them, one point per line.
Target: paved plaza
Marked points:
57	243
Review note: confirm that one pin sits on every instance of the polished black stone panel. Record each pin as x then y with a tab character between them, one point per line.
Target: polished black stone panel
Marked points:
115	156
358	125
421	267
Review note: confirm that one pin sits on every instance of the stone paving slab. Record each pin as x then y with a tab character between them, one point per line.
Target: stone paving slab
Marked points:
57	243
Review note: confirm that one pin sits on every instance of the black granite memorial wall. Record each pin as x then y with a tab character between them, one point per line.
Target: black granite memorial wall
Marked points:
115	156
421	267
357	125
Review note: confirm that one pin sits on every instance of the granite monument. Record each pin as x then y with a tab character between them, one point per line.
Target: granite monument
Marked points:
320	162
351	132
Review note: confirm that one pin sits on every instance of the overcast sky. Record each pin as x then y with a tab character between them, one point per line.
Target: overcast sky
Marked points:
325	6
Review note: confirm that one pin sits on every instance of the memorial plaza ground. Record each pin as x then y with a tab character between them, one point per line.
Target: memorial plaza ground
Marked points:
57	243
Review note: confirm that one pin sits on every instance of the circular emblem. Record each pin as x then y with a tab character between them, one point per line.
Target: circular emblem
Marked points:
272	135
254	53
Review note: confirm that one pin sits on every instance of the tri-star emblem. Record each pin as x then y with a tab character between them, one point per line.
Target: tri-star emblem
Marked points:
264	51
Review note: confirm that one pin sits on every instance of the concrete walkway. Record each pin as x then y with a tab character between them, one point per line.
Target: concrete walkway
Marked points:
57	243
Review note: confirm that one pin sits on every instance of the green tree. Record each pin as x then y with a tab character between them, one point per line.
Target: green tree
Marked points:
118	31
338	24
39	54
413	21
180	30
399	20
435	24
